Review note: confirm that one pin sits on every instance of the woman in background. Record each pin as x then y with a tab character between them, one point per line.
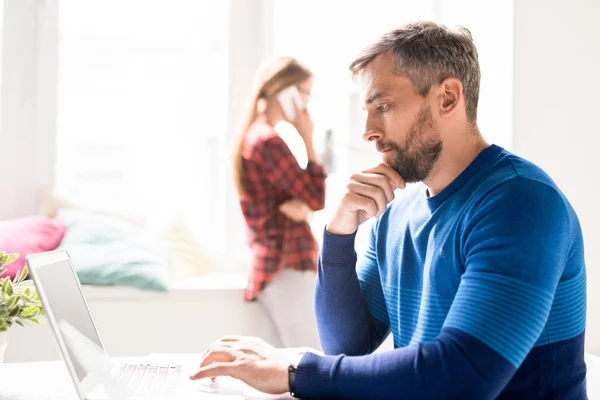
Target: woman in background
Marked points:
277	197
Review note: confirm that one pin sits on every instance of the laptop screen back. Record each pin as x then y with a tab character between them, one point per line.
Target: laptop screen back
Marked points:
62	296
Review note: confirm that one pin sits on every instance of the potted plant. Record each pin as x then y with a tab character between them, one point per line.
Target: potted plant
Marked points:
19	300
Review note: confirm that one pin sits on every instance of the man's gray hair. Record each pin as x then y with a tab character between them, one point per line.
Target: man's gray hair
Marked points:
427	53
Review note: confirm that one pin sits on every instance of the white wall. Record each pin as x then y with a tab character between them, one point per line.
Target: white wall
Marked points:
490	24
556	108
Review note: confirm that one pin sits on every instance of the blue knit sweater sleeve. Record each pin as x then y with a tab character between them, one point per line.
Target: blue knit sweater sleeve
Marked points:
365	317
514	246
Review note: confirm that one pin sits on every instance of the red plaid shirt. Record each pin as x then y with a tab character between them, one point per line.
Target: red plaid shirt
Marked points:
271	177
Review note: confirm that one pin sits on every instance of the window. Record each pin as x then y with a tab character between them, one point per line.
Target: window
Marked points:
142	108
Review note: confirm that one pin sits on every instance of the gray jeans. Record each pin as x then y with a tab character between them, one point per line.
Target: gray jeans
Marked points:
289	302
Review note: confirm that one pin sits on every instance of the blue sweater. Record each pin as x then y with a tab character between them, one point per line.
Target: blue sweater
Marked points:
482	287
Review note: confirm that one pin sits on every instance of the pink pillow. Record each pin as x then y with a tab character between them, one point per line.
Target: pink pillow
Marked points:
29	235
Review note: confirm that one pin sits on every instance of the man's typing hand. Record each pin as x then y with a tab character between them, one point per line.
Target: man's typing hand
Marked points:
249	359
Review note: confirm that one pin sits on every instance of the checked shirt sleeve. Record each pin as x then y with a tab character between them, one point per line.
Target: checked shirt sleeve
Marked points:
283	172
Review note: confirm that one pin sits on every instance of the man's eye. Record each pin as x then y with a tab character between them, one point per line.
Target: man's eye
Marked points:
383	107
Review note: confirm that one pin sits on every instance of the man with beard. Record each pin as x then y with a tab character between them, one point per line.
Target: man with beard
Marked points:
477	271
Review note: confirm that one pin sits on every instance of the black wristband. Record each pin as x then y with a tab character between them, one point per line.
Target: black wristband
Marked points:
292	379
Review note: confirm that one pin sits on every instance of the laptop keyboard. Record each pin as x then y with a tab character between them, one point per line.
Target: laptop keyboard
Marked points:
148	380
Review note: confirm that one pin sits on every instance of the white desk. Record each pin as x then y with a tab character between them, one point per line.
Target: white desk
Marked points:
36	380
593	376
50	380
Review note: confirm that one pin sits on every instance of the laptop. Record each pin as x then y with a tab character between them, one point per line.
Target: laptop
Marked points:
94	374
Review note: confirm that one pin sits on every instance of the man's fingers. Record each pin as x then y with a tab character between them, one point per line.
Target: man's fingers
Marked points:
218	354
375	193
378	180
216	345
214	370
359	202
392	175
232	338
231	344
229	340
225	341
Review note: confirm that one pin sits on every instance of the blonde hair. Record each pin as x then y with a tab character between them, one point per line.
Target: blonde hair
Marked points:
274	76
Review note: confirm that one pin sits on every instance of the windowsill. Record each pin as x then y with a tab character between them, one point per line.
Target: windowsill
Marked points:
232	284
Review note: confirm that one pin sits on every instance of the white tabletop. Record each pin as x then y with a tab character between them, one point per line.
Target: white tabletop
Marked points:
50	380
37	380
593	376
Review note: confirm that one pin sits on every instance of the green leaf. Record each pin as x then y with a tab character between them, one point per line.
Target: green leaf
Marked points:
35	321
2	254
2	270
20	276
19	322
23	297
27	292
29	312
10	258
6	286
17	278
24	273
12	302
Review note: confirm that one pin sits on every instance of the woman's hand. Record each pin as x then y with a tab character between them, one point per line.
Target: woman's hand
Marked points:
296	210
304	124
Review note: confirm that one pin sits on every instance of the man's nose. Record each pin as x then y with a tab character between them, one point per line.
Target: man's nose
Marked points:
372	135
372	131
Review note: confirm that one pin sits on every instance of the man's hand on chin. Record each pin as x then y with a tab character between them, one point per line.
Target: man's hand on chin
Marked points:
251	360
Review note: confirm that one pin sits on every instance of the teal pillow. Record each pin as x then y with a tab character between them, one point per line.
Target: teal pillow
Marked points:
108	251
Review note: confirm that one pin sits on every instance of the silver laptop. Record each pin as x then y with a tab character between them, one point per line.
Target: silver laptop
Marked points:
96	377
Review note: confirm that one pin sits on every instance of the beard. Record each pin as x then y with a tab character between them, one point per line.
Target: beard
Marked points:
415	160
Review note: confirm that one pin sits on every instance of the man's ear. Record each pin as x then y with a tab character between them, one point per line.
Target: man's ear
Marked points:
450	93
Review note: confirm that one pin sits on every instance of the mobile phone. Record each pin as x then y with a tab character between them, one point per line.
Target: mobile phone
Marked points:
287	98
